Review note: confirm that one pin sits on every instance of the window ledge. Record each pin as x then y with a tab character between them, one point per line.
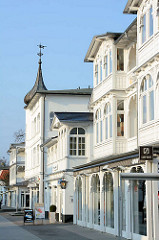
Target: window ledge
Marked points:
70	156
146	125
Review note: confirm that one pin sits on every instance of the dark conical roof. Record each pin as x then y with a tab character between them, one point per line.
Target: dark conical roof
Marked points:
38	86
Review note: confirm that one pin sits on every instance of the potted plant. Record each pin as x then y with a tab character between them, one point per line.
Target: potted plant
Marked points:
52	214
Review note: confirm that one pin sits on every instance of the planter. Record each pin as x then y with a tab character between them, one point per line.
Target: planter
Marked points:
52	217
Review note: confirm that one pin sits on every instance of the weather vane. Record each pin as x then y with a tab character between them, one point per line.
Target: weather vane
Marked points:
40	53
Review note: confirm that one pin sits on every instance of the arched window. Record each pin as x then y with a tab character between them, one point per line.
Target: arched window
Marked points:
95	188
108	200
147	99
108	120
51	117
99	126
77	142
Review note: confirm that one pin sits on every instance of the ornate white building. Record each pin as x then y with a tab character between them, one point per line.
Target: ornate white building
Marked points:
72	146
41	104
124	102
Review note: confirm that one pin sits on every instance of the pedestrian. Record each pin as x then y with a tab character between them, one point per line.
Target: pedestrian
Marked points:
0	203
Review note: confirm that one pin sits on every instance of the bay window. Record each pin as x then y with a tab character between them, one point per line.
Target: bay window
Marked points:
120	59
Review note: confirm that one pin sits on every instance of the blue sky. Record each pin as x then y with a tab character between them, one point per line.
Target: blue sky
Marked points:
66	27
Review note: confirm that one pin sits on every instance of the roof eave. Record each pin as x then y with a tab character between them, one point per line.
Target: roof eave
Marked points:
96	43
132	6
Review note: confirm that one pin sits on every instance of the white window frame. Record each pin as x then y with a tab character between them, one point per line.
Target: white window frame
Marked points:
77	137
145	90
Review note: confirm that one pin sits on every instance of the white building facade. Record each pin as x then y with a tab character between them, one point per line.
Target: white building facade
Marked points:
18	195
72	146
124	104
40	107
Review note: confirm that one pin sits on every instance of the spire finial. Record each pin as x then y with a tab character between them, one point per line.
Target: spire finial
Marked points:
40	53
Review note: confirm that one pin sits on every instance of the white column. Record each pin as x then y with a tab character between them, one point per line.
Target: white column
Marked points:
101	201
149	203
17	199
90	203
116	202
83	200
155	202
74	203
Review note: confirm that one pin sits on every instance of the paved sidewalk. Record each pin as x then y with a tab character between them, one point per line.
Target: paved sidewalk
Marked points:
14	229
10	231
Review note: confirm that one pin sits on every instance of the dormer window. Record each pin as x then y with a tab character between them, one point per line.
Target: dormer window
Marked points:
77	142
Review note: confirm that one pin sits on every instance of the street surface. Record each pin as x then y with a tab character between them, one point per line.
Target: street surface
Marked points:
13	228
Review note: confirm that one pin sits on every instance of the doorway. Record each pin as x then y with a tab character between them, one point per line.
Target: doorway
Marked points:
138	218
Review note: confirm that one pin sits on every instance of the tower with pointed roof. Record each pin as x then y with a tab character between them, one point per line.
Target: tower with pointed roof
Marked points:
39	83
40	107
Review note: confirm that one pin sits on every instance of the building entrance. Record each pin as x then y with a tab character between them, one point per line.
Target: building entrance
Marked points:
138	215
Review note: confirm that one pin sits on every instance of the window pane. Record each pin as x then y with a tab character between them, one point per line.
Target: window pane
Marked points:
101	131
73	131
83	152
120	105
120	59
106	127
150	81
144	28
110	123
100	70
110	62
81	131
144	110
151	105
106	65
97	133
151	22
120	124
96	73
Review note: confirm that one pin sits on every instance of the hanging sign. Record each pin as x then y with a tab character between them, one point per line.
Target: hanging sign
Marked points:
146	153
